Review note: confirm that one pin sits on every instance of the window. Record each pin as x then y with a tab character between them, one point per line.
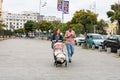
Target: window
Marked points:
17	23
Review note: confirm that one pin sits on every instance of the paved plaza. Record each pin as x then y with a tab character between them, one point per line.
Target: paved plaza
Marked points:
32	59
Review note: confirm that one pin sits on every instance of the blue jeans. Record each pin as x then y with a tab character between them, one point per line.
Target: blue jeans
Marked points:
70	50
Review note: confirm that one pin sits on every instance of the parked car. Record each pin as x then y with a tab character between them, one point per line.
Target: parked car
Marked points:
105	37
94	39
112	42
31	35
79	39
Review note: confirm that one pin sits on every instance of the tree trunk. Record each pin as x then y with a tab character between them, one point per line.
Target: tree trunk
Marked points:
118	31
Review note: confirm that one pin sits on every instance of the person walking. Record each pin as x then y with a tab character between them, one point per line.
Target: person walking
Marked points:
56	37
69	36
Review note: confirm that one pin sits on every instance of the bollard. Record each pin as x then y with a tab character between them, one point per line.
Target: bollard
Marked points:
77	44
100	48
93	47
82	45
88	46
118	52
108	50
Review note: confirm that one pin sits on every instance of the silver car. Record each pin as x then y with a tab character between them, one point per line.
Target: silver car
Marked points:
79	39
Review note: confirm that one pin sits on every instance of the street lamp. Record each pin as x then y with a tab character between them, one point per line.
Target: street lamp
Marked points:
41	4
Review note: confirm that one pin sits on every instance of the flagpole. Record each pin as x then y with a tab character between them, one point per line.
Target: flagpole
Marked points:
40	18
40	8
62	12
94	10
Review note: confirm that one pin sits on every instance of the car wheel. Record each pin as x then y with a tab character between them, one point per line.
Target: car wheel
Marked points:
75	43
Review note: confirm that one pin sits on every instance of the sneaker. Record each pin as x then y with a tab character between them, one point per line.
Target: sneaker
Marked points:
70	61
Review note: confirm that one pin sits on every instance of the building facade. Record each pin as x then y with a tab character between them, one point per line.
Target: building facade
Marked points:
51	18
112	27
48	18
16	21
1	10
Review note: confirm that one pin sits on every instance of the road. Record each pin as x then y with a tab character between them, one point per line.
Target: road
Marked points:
32	59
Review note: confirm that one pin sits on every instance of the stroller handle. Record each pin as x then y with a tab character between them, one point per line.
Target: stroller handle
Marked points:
56	40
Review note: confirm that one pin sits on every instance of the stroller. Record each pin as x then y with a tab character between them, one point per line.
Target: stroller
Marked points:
59	54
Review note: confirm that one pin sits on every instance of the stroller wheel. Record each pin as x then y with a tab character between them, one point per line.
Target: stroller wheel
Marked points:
56	64
66	64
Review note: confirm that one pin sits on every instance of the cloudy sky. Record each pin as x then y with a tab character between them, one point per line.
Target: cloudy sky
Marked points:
17	6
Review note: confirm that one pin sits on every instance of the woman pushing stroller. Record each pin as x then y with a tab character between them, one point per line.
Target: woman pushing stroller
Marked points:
57	46
56	37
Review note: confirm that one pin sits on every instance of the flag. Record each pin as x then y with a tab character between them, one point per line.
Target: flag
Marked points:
66	7
93	5
59	5
44	4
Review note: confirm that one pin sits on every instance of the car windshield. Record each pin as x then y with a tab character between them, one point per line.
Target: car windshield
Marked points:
104	36
97	37
81	36
118	37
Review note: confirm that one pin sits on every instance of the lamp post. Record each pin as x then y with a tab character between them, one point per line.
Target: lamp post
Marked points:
41	4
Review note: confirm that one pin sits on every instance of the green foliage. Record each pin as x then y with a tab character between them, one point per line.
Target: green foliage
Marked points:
44	26
54	24
77	28
62	27
86	18
110	13
118	31
2	25
101	26
30	26
114	14
21	30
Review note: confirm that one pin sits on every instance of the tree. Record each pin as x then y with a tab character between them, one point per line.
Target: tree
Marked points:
21	30
55	24
100	27
30	26
114	14
2	31
2	25
86	18
44	26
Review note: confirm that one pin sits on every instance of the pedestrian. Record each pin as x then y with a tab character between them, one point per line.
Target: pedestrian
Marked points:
70	35
56	36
